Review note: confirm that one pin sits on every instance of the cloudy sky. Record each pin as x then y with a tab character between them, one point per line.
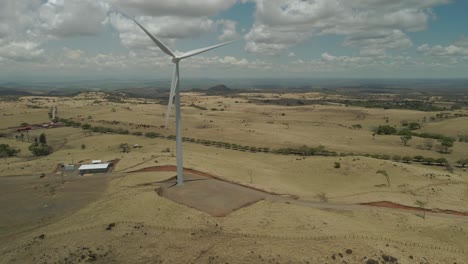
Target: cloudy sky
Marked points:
89	39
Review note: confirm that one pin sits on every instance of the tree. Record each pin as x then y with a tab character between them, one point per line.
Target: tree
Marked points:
429	160
414	126
441	161
385	130
124	147
43	139
428	144
421	205
445	144
86	126
463	162
406	159
387	177
7	151
152	134
405	139
42	150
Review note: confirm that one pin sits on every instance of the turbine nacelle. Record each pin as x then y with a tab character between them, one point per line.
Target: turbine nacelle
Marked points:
176	60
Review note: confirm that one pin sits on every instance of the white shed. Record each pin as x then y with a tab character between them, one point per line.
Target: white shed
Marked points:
94	168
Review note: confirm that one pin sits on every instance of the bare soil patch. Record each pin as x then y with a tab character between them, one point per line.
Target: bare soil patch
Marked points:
209	195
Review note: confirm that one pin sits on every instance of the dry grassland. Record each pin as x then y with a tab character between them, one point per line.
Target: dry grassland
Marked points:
283	231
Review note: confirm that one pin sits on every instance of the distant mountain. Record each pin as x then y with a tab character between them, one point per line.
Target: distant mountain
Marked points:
219	88
158	93
13	92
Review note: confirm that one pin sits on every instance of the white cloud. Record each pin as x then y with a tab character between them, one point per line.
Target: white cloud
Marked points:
345	59
459	48
370	25
73	17
229	31
25	25
375	43
167	28
72	53
179	8
21	51
270	40
233	61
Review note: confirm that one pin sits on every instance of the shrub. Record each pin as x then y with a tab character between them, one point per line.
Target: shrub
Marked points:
40	150
167	150
86	126
137	133
385	130
121	131
337	165
414	126
151	135
124	147
441	161
7	151
463	162
446	143
406	159
428	160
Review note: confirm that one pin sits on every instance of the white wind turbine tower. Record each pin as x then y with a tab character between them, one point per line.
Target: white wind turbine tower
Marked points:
176	58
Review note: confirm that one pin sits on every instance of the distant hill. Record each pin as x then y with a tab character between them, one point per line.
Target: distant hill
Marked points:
158	93
13	92
219	88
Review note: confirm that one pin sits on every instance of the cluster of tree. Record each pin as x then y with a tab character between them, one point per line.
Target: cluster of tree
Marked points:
463	138
446	143
40	147
463	162
116	97
385	130
7	151
69	122
411	125
392	104
307	151
100	129
406	134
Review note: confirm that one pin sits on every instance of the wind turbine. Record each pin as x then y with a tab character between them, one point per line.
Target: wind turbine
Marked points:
176	58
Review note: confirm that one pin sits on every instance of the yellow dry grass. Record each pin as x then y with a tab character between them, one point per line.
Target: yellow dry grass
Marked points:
311	178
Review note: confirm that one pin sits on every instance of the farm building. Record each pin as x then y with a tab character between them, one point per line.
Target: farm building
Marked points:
94	168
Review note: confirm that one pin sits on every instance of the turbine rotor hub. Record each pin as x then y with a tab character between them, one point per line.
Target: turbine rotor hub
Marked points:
175	60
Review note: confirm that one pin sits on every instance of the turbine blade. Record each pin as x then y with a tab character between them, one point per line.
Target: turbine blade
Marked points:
175	80
159	43
198	51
